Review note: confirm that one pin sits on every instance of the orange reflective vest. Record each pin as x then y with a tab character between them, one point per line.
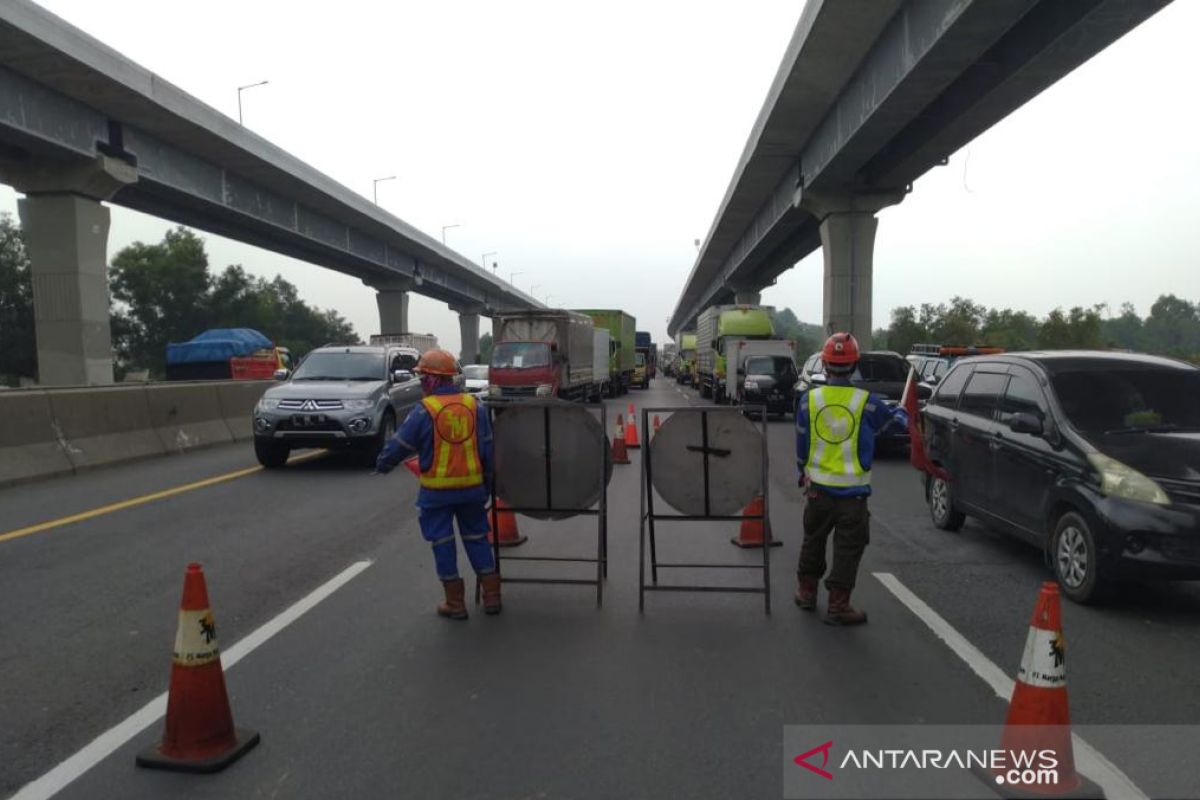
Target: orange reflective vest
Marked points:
456	463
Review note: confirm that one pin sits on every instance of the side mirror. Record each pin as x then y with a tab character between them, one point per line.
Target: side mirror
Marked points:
1024	422
282	374
401	376
933	380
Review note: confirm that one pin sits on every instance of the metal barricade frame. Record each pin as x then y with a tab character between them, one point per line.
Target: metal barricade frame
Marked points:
600	512
648	517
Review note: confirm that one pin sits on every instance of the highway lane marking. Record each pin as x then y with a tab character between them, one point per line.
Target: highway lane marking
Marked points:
115	737
146	498
1088	760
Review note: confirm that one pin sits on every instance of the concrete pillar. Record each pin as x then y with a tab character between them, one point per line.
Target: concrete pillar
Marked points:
67	237
468	326
66	229
848	242
393	310
746	297
847	227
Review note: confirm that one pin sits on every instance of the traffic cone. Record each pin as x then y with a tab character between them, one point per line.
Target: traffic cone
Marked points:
631	436
507	522
620	454
199	735
1038	716
751	533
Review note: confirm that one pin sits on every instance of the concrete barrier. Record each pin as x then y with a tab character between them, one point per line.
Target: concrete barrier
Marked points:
29	441
238	399
104	424
186	415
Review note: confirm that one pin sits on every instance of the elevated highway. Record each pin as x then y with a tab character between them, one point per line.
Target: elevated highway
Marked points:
80	123
871	94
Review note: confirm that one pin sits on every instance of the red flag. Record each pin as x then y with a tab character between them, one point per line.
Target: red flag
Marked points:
413	465
917	456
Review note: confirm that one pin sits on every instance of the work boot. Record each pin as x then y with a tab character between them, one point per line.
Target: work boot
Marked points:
840	611
455	606
806	595
491	593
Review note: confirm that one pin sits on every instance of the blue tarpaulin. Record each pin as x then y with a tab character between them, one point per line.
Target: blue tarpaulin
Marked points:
218	344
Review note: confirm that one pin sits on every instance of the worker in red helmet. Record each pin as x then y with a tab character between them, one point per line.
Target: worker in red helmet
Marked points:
452	436
836	425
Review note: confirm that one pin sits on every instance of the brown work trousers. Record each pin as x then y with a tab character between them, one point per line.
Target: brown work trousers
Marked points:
848	519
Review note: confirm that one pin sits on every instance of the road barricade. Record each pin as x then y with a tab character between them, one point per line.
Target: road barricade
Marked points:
29	438
237	400
104	424
186	415
708	463
552	462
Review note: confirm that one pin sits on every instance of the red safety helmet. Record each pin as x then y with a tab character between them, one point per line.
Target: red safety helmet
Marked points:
841	350
438	362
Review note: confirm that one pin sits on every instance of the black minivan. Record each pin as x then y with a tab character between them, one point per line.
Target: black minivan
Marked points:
1093	456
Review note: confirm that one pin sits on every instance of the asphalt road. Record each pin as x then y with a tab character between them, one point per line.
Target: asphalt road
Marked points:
370	694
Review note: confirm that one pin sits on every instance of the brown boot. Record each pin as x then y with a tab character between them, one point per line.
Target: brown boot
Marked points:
491	593
806	595
840	611
455	606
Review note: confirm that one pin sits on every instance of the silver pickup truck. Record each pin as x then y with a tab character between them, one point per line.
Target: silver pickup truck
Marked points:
339	397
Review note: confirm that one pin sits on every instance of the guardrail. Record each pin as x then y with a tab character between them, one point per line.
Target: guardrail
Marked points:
52	431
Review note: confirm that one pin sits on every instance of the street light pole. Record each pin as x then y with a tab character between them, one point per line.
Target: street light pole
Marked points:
446	228
483	259
512	277
375	187
239	94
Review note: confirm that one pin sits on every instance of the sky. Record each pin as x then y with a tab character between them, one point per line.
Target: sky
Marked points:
589	146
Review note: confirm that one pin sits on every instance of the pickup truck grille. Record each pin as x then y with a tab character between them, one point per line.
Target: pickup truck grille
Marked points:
310	405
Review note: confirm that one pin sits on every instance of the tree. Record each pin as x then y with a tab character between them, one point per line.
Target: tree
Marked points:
1012	330
18	346
485	349
1174	326
806	336
1125	331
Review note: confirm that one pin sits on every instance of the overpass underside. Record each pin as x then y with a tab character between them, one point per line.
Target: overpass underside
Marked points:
871	94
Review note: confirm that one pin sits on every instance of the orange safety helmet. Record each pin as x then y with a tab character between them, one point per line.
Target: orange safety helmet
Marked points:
841	350
438	362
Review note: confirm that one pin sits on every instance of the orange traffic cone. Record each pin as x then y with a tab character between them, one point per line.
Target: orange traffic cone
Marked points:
1038	716
631	435
199	735
507	522
620	454
751	533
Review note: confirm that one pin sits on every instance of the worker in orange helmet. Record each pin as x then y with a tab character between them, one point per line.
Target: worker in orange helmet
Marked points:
836	426
452	436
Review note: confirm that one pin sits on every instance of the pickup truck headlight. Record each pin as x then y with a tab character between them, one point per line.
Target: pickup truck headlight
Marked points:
751	386
358	403
493	390
1121	480
544	390
267	404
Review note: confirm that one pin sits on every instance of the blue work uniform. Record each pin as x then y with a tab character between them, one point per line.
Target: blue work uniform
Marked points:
439	507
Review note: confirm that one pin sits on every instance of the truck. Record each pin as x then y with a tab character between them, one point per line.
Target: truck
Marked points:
620	326
239	354
722	334
685	369
543	353
421	342
645	359
601	350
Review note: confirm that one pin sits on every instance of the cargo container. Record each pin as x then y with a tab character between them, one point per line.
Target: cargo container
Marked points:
601	349
620	327
240	354
543	353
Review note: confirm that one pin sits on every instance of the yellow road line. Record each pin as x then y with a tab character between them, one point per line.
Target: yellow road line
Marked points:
138	501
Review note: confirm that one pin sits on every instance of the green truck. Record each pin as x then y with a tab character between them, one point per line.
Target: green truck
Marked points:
725	335
621	328
685	369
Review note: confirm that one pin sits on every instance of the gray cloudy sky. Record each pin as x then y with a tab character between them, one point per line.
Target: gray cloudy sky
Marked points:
590	145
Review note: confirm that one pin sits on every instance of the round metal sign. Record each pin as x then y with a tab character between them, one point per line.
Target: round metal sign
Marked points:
735	461
563	441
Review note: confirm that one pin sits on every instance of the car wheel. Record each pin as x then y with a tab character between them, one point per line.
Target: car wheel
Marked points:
271	454
387	429
941	506
1075	558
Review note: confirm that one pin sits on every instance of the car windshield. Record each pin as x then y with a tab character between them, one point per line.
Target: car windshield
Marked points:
341	366
779	366
520	355
1110	398
475	372
876	367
